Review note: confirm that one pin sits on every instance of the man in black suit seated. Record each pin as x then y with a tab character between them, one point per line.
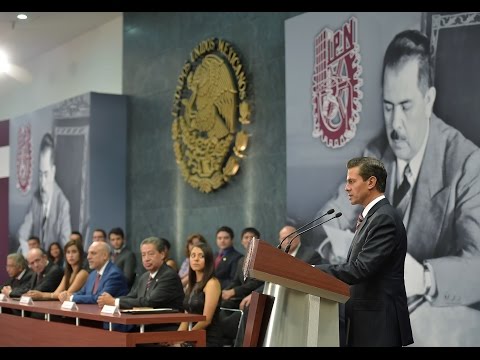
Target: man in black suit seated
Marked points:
46	275
159	287
227	257
18	272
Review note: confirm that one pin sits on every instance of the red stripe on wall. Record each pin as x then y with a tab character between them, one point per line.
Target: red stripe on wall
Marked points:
4	245
4	129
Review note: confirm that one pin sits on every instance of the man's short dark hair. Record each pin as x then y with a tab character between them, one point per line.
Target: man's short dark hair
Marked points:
411	45
102	231
117	231
48	143
226	229
79	235
369	166
251	230
35	238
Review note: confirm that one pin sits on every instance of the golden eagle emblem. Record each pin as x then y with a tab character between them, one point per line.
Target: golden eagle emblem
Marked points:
209	109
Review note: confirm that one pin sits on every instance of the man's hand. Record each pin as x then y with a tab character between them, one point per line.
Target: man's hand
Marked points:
105	299
7	290
414	277
227	294
245	302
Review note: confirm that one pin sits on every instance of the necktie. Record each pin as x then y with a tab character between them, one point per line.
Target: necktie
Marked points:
39	279
359	221
402	190
95	285
218	259
149	282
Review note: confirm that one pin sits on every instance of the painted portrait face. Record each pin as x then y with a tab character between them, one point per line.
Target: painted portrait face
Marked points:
406	109
46	175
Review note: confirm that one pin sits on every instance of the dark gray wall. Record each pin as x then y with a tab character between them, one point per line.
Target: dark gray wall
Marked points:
160	202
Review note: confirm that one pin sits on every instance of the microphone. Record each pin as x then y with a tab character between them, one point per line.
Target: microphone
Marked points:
331	211
337	215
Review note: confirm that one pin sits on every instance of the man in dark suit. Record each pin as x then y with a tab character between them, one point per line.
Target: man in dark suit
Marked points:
123	257
227	257
46	275
377	312
19	274
105	277
159	287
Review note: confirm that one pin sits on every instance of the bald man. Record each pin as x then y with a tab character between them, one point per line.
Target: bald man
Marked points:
302	252
46	275
105	277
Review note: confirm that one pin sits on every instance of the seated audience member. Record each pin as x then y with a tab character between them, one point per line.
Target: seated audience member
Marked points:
227	257
74	276
55	254
34	242
203	294
77	236
168	260
19	274
105	277
99	235
192	240
302	252
241	287
158	287
123	257
46	275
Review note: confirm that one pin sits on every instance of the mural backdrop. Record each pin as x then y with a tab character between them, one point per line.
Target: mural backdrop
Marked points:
334	111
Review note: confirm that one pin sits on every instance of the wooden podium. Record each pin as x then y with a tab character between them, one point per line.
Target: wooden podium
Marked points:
305	300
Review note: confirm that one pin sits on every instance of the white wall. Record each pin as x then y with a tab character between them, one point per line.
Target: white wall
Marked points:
90	62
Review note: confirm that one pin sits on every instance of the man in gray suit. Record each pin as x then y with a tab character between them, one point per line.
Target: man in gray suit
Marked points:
159	287
434	185
48	216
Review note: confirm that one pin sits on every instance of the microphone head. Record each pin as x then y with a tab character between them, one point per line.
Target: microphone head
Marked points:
338	214
331	211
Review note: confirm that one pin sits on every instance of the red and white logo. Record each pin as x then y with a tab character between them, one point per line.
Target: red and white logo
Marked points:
24	158
336	85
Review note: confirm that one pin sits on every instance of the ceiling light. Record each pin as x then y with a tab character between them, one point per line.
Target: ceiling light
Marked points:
22	16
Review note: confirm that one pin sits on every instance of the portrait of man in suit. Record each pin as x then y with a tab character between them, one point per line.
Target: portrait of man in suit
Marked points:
433	183
48	216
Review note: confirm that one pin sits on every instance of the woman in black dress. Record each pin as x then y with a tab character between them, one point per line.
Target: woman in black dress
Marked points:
203	294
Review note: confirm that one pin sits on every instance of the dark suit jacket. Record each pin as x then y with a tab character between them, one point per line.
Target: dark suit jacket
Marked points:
127	262
376	313
242	287
166	291
113	282
225	272
309	255
15	283
51	277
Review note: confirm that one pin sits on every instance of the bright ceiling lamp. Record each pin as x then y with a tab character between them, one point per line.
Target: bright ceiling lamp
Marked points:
4	64
22	16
